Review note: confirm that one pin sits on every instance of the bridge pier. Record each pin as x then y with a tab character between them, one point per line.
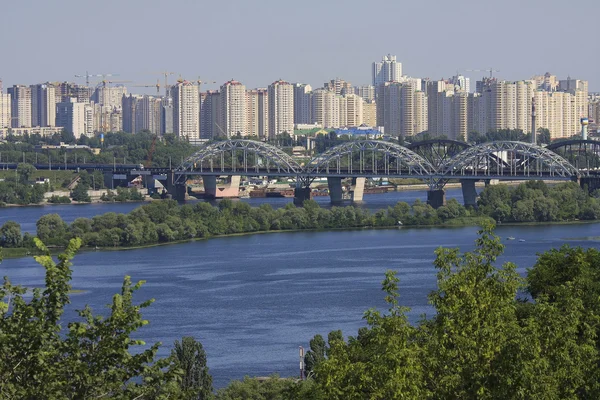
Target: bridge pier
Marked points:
436	198
358	189
469	192
301	194
176	191
232	189
335	190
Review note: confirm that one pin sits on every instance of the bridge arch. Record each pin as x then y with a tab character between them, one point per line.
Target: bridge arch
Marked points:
369	157
438	151
583	154
241	156
508	158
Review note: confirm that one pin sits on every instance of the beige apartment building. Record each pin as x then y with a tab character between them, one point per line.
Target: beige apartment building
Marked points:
5	111
233	109
402	108
258	113
281	108
326	108
186	110
370	113
20	98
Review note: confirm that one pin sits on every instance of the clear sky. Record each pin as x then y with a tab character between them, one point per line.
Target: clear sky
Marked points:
311	41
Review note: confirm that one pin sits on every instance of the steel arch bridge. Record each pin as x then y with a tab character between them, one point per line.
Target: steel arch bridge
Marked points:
582	154
435	161
508	159
438	151
240	157
369	158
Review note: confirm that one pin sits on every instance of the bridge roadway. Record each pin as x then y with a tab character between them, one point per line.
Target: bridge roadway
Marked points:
435	162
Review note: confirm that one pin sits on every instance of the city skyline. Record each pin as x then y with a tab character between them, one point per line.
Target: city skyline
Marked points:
257	43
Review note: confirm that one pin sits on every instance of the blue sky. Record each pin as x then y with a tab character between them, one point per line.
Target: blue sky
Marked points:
311	41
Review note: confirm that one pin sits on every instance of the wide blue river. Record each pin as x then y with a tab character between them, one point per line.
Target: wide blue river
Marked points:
252	300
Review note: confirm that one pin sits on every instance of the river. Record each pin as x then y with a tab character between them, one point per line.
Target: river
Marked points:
252	300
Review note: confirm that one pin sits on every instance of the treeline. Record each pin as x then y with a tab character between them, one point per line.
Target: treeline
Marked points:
166	221
534	201
118	146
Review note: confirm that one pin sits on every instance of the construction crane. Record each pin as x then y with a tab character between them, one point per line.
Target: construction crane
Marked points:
490	70
87	77
105	82
166	75
156	85
200	82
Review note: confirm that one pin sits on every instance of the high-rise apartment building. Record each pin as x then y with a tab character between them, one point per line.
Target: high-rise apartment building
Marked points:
257	109
339	86
233	109
167	115
71	116
505	105
210	110
142	113
461	83
546	82
326	108
186	110
367	92
20	97
5	110
559	112
109	96
302	103
281	108
388	70
353	106
370	113
402	109
43	105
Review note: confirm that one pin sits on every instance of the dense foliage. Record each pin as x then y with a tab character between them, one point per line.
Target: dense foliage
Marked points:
95	357
483	341
117	146
536	201
165	221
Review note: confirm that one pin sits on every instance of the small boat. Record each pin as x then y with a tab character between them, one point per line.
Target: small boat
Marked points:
510	238
521	240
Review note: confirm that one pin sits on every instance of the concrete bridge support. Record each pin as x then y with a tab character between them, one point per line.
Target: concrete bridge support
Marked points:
232	189
358	189
436	198
175	191
469	192
301	194
335	190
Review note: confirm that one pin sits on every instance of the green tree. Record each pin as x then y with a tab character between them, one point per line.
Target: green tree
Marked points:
91	358
190	357
10	235
80	193
52	230
25	171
